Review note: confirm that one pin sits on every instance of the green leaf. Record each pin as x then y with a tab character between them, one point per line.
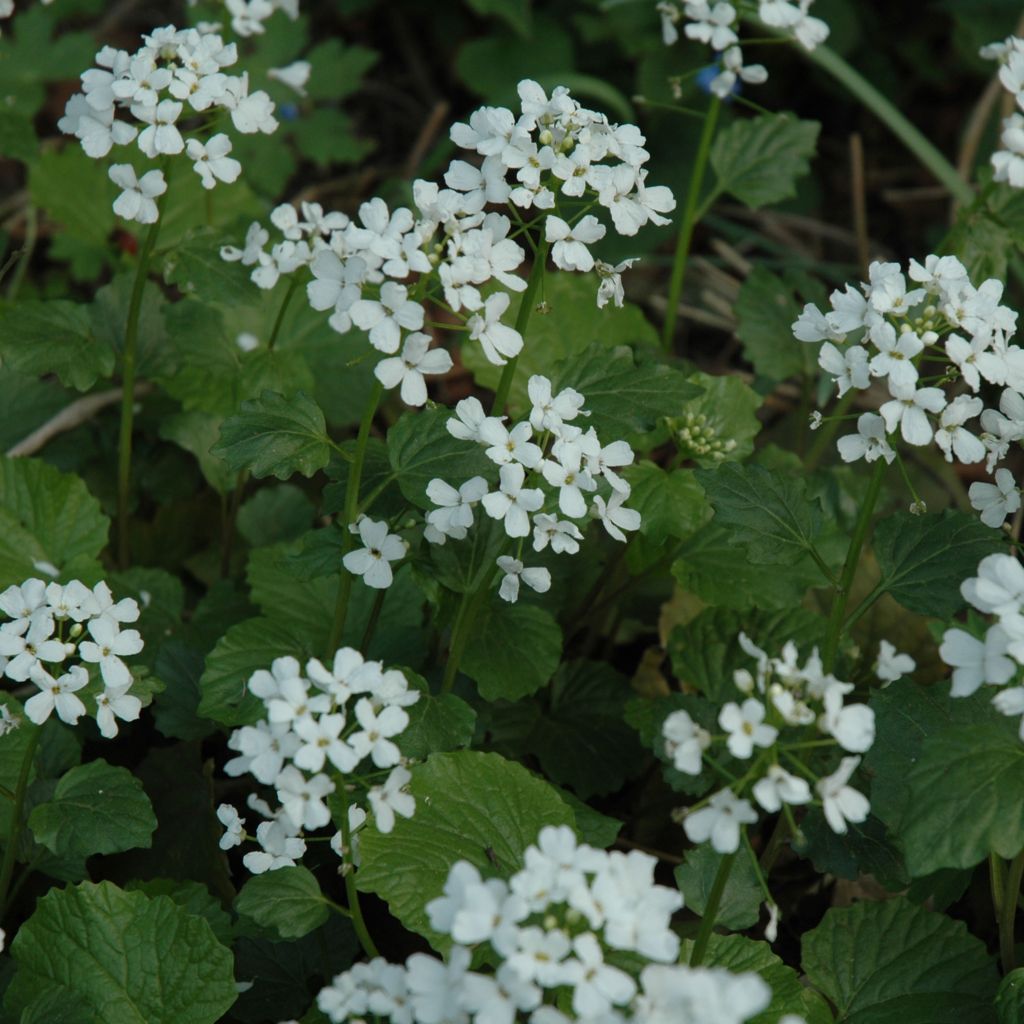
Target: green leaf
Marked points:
892	962
196	268
671	504
570	325
866	848
577	734
906	714
741	902
338	69
179	667
463	565
711	565
197	432
515	13
513	650
624	399
1010	998
276	435
759	159
326	136
38	338
469	806
924	559
96	808
17	137
966	798
128	958
789	996
109	317
770	513
766	308
244	648
420	449
705	652
287	900
49	176
437	723
192	897
275	514
719	425
47	516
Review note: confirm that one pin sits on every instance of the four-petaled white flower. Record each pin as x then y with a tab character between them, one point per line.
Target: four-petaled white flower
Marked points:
842	803
538	579
720	821
380	549
408	369
212	162
137	201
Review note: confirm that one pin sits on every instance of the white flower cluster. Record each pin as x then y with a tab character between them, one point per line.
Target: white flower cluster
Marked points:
996	659
174	76
947	329
248	16
309	732
1008	163
47	624
571	462
556	157
780	695
715	22
548	930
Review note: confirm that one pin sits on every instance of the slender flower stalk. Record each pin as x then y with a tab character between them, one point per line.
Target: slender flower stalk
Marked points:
14	834
355	473
128	359
707	922
689	222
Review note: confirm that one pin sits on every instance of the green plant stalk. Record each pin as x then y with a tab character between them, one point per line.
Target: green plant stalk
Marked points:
355	473
11	849
522	320
371	623
351	893
276	329
465	619
893	119
707	922
1008	913
689	222
124	443
842	592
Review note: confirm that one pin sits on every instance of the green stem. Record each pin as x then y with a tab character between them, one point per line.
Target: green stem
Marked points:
355	473
707	922
351	893
868	601
371	623
890	115
465	619
276	329
231	523
675	286
14	835
842	592
1008	913
522	320
776	842
124	444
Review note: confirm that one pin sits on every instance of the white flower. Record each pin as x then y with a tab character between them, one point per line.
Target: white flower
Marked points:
869	443
842	803
116	702
562	535
1010	702
849	366
374	738
995	501
390	799
303	799
853	725
597	986
408	369
455	515
720	821
746	727
234	833
891	665
908	409
162	135
1008	163
951	436
468	419
570	250
386	319
513	502
813	325
611	282
294	75
733	68
685	741
711	24
137	201
111	644
536	578
614	516
500	343
211	162
888	291
895	354
56	694
566	473
551	412
974	661
321	741
27	650
280	848
505	446
380	549
779	787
